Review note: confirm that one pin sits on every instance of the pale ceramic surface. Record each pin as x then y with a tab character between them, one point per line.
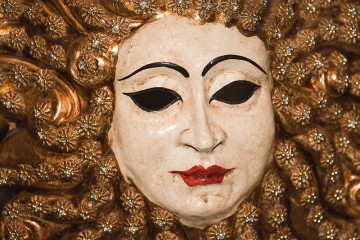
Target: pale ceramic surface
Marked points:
148	145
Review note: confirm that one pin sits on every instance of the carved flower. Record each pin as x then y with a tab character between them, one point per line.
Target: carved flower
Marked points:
67	139
299	73
355	85
309	197
328	29
285	49
317	139
5	175
37	205
57	56
46	134
15	230
87	212
301	177
102	100
179	7
350	122
350	234
107	168
327	3
18	39
87	235
247	214
283	233
55	27
37	47
90	152
315	217
44	80
286	153
98	43
350	33
230	8
250	19
280	98
167	235
12	210
11	9
317	63
350	12
99	195
306	40
285	14
328	231
206	9
338	58
219	230
279	68
134	225
44	172
332	176
333	113
13	102
70	170
342	142
25	174
88	125
273	32
145	7
277	216
92	14
62	209
327	159
132	201
87	65
42	111
118	28
301	114
335	196
109	223
320	100
247	232
74	3
34	14
309	9
162	218
273	187
20	76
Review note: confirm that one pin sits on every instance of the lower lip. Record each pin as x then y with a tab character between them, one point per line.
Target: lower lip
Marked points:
197	180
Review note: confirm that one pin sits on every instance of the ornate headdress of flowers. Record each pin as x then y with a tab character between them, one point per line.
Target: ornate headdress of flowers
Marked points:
56	69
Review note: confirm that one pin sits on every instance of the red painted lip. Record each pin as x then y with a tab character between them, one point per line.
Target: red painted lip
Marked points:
198	175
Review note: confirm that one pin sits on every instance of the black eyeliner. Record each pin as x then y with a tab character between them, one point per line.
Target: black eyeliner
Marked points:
170	65
213	97
153	108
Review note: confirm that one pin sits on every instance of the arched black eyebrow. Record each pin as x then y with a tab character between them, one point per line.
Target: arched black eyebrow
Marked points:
160	64
227	57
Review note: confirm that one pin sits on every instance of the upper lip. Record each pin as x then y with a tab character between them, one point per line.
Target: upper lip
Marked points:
199	170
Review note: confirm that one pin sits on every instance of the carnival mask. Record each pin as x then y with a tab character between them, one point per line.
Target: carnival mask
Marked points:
193	125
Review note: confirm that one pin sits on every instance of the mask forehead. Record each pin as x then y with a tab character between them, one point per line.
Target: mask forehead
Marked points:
179	40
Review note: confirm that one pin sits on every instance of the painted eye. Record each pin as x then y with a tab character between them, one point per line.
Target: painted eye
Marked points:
236	92
154	99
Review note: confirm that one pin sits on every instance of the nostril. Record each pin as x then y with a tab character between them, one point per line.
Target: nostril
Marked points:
188	145
216	146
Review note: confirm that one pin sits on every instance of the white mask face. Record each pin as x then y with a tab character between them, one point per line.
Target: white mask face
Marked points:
194	128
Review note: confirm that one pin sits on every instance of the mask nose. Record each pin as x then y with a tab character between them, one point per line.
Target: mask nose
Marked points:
202	135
